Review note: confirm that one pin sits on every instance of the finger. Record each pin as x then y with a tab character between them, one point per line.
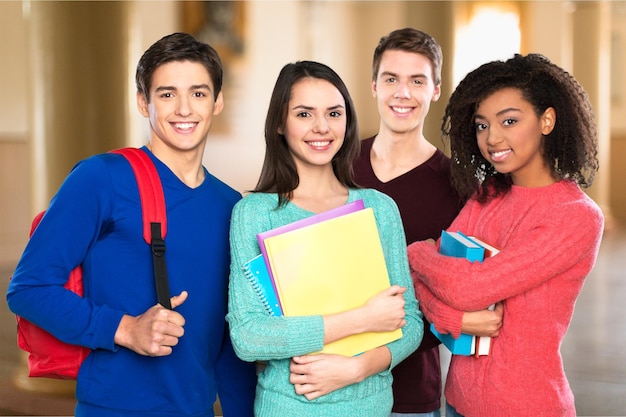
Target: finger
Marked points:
396	290
179	299
163	351
313	395
295	368
306	390
169	341
302	360
297	379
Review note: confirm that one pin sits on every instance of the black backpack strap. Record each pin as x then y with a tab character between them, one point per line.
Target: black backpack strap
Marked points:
160	268
153	214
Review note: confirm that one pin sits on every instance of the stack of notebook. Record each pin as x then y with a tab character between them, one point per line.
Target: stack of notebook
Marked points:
324	264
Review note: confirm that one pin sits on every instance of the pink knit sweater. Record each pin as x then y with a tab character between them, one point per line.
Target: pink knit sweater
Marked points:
549	239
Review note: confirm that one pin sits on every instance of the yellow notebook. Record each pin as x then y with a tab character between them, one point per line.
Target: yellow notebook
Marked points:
329	267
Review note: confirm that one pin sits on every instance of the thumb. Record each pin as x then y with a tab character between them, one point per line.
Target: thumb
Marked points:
396	290
179	299
499	307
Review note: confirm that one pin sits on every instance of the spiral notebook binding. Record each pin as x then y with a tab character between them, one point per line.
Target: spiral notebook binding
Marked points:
256	272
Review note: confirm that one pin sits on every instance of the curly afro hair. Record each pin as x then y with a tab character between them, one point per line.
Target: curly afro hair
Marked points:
571	152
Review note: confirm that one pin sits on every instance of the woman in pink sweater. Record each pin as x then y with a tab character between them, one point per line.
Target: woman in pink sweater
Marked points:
523	141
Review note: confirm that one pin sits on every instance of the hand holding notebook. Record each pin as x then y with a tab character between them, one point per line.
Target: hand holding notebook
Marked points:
329	267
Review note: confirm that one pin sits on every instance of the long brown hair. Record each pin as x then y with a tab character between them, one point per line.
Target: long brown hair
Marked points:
279	174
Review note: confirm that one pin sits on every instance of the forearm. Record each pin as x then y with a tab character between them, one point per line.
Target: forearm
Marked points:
340	325
384	312
445	318
372	362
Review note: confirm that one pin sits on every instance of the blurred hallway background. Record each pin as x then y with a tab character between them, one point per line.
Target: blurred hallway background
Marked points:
67	77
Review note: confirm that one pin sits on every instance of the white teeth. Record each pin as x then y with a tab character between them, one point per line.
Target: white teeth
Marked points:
185	126
499	154
320	143
401	109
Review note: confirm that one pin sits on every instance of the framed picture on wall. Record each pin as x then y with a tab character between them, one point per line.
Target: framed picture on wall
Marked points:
220	24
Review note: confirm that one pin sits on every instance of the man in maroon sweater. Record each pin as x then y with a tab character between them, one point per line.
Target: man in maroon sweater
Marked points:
400	162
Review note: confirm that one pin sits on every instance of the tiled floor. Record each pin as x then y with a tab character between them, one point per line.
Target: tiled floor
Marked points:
594	351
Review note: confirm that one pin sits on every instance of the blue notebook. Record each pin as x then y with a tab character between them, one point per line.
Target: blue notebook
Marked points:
458	245
464	345
256	272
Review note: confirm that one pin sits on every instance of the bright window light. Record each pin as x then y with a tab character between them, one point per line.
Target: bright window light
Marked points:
491	34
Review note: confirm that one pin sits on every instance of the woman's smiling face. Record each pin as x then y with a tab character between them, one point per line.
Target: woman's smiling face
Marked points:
510	135
316	122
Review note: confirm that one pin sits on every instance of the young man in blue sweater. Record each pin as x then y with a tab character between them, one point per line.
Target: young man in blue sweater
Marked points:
146	360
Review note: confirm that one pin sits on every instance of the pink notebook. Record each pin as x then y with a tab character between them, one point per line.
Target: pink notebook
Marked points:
316	218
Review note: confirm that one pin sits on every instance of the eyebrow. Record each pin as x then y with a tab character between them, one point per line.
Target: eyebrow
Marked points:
500	113
305	107
172	88
393	74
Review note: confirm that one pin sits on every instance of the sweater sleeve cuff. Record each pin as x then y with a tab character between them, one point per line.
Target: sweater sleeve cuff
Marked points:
450	321
306	333
105	327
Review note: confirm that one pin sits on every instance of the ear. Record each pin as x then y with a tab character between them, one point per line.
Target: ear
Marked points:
142	105
374	88
280	131
219	104
548	120
436	92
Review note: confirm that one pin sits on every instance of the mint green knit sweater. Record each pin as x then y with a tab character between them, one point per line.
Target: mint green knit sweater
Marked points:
259	336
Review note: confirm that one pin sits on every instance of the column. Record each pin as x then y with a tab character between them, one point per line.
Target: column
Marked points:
591	67
79	73
78	76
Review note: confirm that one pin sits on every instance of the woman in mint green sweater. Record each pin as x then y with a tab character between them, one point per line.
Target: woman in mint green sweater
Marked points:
312	139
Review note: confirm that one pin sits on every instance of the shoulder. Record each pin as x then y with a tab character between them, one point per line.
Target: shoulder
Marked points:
222	188
579	204
370	195
366	146
377	200
439	162
367	142
255	202
562	206
98	171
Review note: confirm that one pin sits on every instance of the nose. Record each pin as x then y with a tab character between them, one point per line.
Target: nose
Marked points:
320	125
402	91
184	107
493	136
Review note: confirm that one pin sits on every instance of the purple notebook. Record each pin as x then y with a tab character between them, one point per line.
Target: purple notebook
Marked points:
316	218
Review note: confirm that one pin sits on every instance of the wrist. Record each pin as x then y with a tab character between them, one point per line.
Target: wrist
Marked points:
121	337
372	362
360	369
358	320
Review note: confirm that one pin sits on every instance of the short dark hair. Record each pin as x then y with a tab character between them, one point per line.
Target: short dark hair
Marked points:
410	40
279	174
178	47
570	150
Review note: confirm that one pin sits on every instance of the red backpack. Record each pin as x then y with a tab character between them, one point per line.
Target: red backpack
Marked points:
48	356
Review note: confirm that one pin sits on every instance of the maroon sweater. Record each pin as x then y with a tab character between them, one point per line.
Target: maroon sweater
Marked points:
427	205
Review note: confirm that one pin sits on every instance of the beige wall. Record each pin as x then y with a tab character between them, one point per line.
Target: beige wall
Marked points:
339	33
14	128
617	168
